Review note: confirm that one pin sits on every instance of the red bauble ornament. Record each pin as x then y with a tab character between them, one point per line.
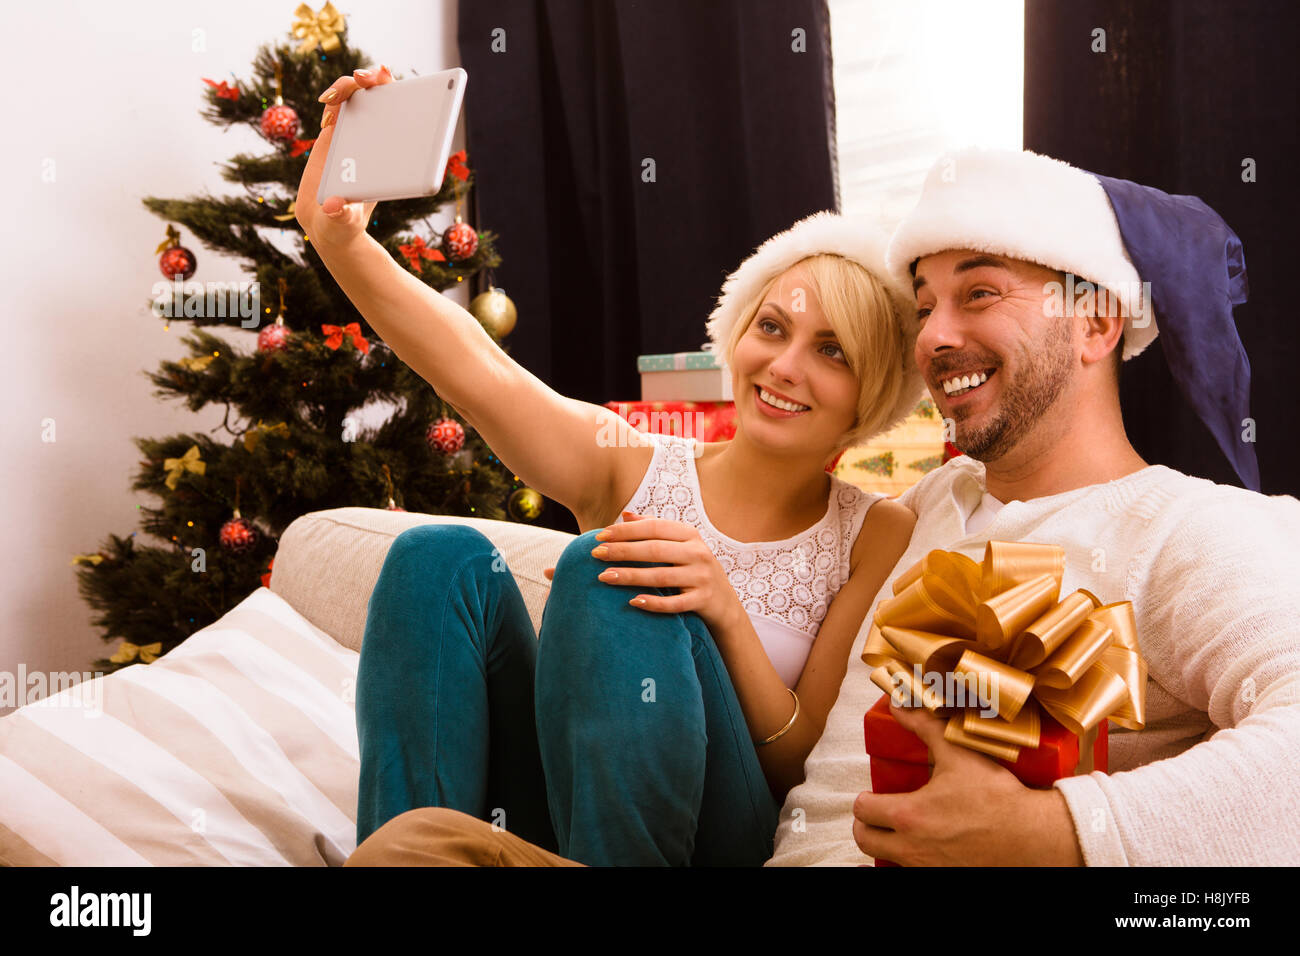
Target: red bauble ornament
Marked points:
446	435
238	534
280	123
460	240
177	262
274	337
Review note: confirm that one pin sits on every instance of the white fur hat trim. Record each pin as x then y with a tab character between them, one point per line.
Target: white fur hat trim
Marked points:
1028	207
854	237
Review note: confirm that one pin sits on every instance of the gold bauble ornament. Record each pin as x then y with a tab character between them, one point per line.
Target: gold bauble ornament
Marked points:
525	504
495	312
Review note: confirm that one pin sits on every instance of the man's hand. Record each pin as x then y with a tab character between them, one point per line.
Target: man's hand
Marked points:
973	812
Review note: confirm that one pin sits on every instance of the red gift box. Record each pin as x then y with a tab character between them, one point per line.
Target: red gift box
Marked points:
900	762
703	421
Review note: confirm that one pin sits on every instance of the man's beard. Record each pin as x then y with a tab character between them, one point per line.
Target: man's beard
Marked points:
1046	368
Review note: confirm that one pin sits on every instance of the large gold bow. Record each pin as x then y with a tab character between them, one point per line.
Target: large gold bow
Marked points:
148	653
1000	625
317	28
190	461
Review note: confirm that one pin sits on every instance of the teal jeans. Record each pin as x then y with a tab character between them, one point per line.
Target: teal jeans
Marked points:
614	739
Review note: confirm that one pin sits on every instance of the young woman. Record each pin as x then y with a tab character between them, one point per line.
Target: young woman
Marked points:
689	654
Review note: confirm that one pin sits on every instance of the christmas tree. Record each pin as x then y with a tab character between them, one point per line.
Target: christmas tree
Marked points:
293	441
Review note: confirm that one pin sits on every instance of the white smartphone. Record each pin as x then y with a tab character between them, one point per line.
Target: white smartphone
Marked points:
393	141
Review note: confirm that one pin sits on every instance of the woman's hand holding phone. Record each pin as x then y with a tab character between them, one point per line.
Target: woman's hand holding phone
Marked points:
335	223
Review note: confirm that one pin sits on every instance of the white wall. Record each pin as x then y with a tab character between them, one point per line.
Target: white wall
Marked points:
111	94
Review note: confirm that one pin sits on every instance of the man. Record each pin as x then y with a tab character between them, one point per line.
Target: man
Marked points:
1210	569
1027	371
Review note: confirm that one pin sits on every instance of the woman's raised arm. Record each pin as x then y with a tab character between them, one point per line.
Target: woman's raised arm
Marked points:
566	449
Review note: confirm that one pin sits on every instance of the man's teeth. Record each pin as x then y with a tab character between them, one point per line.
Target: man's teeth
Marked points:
780	403
964	383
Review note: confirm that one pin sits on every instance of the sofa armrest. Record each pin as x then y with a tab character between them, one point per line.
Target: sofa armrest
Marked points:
328	562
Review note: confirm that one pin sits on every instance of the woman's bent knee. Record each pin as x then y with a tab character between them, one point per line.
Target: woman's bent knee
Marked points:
576	556
438	542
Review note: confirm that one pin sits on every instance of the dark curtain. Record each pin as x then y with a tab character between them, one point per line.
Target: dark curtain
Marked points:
1184	93
730	100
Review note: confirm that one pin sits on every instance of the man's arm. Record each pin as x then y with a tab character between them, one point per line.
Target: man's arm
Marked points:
1219	624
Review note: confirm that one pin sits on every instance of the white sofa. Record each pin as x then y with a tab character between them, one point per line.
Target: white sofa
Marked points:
239	747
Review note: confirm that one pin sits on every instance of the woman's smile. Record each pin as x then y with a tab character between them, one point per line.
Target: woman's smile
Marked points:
785	409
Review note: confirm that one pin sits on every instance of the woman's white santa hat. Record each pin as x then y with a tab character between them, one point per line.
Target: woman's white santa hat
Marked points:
856	238
1173	264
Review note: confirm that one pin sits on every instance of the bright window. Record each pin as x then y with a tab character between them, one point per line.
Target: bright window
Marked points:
915	79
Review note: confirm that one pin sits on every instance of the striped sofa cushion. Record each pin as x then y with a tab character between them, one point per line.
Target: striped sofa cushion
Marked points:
237	748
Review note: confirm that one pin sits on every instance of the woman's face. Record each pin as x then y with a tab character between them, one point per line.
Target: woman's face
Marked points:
791	355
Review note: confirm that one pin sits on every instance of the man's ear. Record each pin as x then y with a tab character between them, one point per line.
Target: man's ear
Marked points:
1103	326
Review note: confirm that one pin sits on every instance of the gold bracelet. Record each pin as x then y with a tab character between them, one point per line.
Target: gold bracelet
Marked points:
781	733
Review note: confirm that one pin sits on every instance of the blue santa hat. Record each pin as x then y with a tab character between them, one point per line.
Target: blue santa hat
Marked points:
1125	238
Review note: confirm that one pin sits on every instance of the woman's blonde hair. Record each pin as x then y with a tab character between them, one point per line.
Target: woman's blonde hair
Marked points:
867	324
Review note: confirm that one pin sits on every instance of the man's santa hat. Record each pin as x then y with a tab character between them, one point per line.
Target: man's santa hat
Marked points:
1120	236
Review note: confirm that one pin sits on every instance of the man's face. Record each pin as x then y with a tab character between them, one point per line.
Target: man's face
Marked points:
985	316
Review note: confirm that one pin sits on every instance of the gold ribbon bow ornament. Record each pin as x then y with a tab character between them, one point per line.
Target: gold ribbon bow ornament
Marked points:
173	239
260	430
1000	628
190	461
320	28
196	363
148	653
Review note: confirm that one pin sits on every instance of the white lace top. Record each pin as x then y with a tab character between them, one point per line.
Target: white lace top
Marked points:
785	586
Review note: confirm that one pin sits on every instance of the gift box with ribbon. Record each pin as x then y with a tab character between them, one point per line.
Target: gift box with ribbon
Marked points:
1019	673
683	376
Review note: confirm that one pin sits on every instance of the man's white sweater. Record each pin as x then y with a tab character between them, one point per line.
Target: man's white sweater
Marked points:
1213	572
